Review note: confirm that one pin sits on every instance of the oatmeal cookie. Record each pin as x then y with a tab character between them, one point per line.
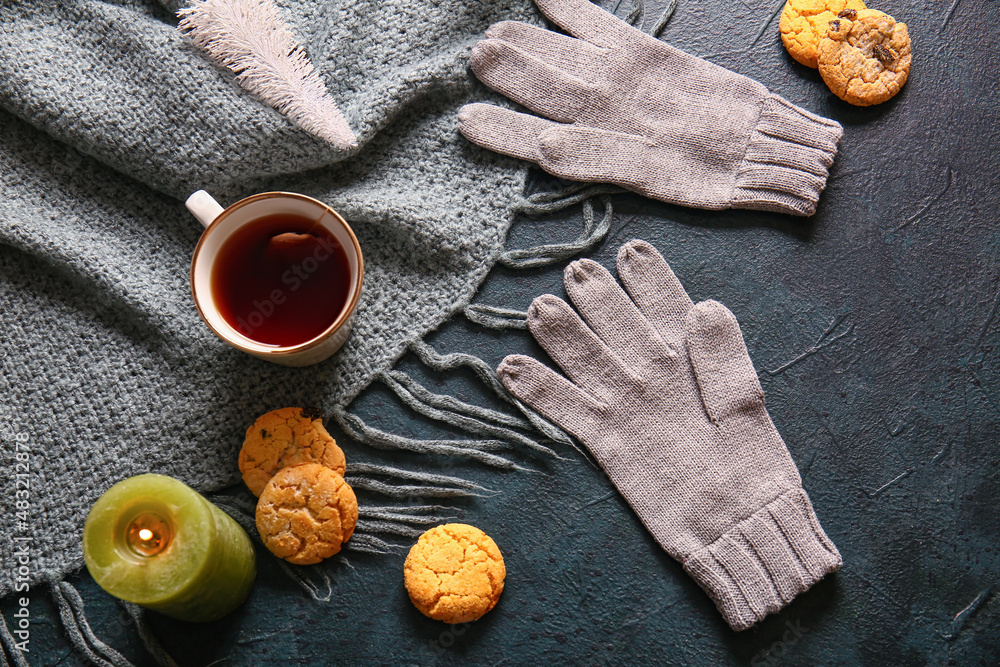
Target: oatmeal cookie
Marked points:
454	573
866	60
803	24
283	438
306	513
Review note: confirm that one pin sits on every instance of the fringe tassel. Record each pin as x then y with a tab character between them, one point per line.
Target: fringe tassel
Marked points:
428	404
423	401
371	519
388	527
477	450
74	619
152	644
550	202
547	255
452	404
402	521
492	317
446	487
636	17
10	644
448	362
661	23
300	574
359	542
410	514
369	544
429	356
374	519
541	203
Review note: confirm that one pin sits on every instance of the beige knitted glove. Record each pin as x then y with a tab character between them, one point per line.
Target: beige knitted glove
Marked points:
634	111
665	396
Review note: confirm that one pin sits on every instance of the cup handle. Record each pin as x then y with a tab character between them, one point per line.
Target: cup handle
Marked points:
204	207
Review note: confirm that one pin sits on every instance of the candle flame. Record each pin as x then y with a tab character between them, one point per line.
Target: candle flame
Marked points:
147	535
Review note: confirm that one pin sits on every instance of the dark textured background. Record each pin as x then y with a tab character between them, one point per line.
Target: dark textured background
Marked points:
873	326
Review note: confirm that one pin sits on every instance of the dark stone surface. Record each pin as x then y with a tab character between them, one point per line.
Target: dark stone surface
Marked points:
875	329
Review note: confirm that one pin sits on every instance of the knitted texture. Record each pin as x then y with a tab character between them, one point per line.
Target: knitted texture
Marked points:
663	393
110	117
627	109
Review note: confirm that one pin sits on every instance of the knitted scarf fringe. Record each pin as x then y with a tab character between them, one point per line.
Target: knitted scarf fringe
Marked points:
74	620
10	646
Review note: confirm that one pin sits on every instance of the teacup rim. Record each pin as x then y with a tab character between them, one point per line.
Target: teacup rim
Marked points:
275	350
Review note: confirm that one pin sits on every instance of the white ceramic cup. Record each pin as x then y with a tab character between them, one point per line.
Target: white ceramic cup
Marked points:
221	223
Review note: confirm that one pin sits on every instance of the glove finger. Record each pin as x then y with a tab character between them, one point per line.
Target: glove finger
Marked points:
502	130
612	315
593	155
530	82
583	19
552	395
655	290
728	383
584	357
566	53
590	154
558	148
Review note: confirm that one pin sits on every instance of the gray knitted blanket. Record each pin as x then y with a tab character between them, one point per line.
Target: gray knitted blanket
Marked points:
110	117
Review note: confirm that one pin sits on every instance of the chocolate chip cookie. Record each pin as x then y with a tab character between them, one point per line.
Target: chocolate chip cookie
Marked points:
283	438
803	25
865	60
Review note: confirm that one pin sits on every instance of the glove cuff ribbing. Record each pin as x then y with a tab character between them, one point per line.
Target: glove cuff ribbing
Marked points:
761	564
787	160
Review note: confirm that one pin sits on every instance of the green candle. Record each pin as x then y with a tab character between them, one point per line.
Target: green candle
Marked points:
155	541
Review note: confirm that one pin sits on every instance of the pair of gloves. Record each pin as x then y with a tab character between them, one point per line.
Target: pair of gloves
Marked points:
662	390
